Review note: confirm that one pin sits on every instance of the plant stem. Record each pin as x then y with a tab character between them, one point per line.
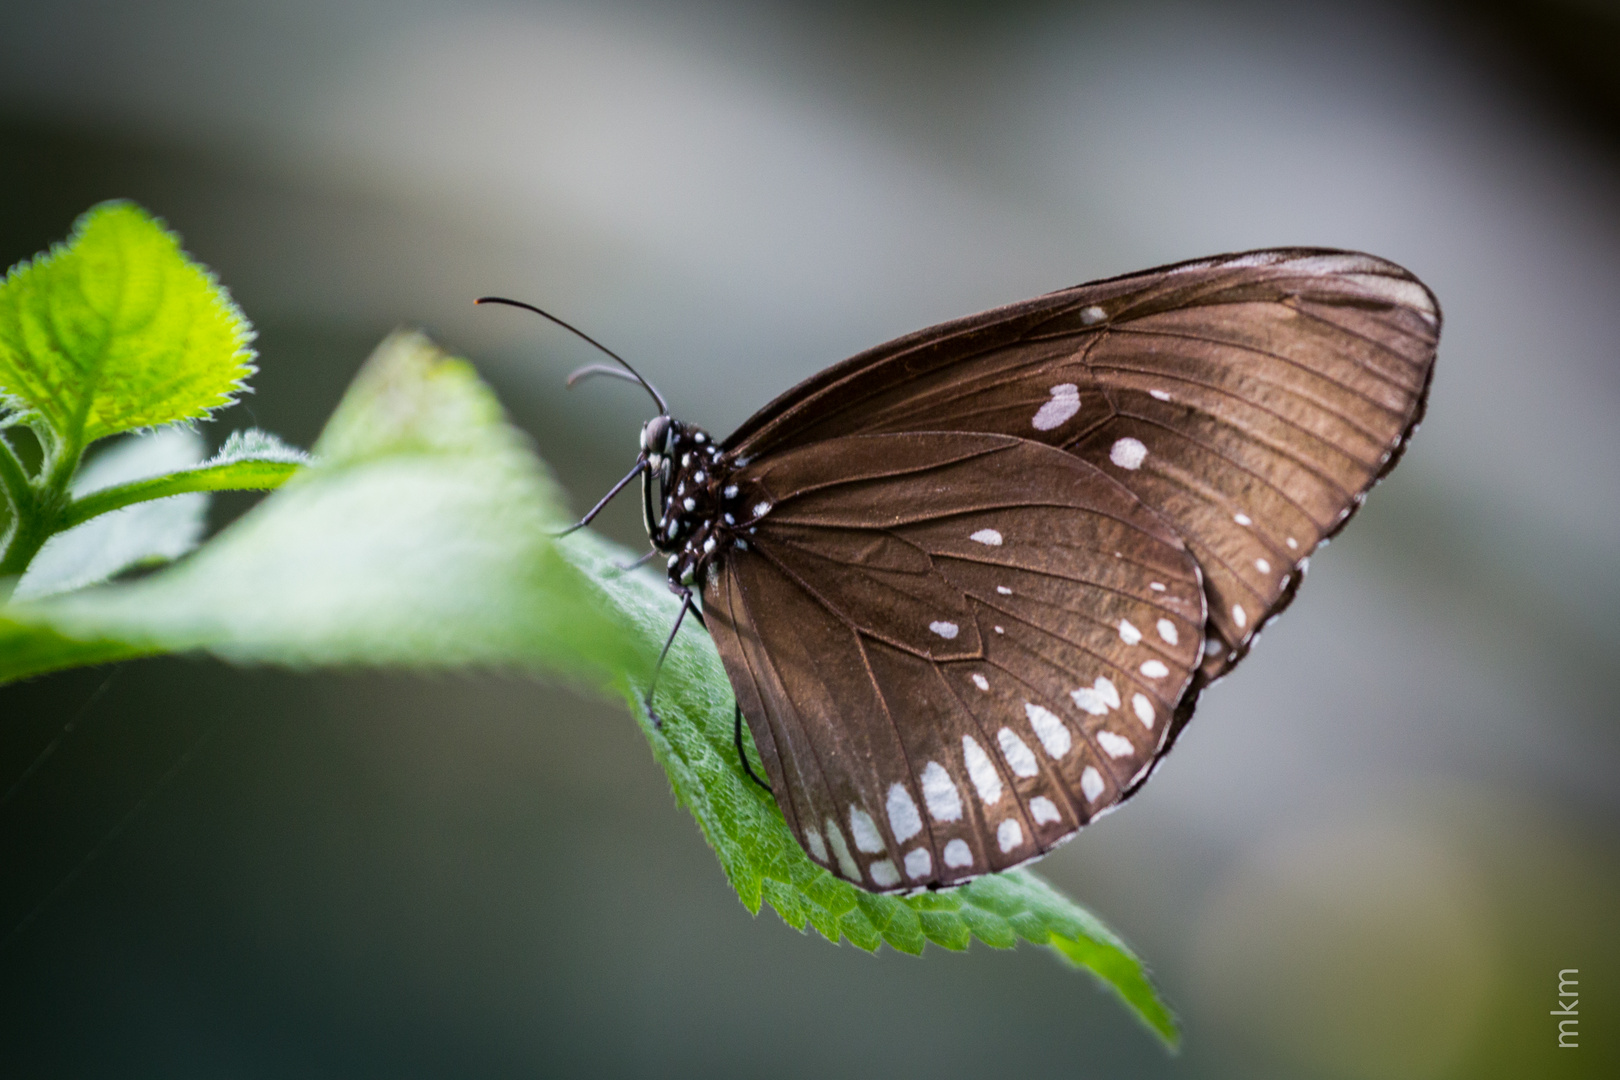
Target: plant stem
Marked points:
232	476
36	504
19	494
14	478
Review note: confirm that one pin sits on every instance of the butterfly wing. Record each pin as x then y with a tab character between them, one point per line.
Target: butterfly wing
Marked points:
953	649
1251	400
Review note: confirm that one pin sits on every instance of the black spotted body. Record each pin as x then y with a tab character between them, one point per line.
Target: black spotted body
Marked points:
702	512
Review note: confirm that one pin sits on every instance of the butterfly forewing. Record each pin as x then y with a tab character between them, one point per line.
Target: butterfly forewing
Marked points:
1249	400
953	650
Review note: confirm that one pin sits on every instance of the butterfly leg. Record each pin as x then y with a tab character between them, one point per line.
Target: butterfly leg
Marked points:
647	701
641	464
625	568
742	755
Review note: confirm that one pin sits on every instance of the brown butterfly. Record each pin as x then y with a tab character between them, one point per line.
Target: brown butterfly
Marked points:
968	585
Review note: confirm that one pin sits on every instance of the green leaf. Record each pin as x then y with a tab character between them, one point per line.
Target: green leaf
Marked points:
117	330
133	536
422	534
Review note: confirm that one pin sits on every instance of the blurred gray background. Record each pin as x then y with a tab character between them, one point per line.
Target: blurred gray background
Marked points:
1370	855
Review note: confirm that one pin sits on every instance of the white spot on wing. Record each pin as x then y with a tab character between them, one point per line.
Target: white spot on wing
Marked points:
864	830
1017	753
987	536
1115	745
1155	669
1128	453
1240	616
1099	697
1129	634
957	853
1064	404
1167	630
761	509
1159	395
1243	519
946	630
1262	566
940	793
1091	783
1293	545
1003	590
816	845
1143	709
884	874
1009	834
1156	586
980	681
919	863
1049	729
1092	315
982	771
1044	810
903	816
846	862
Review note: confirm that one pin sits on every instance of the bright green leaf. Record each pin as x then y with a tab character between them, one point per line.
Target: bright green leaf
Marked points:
117	330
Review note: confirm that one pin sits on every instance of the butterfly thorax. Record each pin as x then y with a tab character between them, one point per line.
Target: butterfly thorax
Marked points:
699	510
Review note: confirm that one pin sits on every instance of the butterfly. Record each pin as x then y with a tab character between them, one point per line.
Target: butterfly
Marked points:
968	585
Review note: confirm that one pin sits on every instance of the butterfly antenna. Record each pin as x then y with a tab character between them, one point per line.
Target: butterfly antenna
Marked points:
629	372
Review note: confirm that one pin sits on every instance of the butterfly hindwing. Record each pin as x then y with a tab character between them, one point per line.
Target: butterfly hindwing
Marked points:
953	650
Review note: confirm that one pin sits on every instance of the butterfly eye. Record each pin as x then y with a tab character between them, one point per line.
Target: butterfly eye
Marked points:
655	436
